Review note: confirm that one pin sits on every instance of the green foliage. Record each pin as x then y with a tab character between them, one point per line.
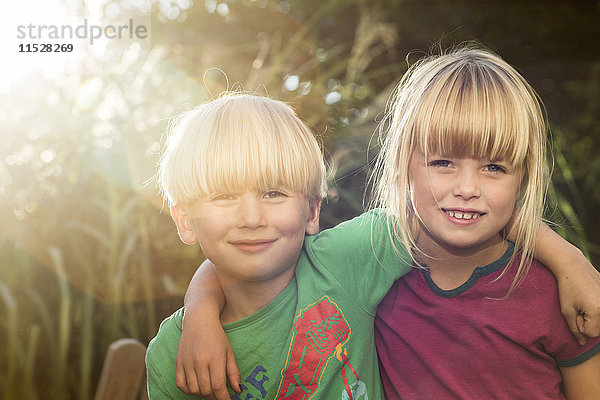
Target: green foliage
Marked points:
89	253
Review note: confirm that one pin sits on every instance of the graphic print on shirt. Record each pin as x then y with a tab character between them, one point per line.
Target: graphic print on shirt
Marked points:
256	382
319	333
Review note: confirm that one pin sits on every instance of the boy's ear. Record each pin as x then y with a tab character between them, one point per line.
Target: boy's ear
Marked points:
184	226
312	222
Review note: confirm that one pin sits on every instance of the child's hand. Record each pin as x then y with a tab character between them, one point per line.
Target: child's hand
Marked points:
578	282
205	361
580	299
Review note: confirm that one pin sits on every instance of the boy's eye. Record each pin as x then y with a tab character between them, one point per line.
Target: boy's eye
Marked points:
272	194
222	196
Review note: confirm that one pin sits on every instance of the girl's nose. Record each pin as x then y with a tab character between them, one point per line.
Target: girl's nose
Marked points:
251	213
466	185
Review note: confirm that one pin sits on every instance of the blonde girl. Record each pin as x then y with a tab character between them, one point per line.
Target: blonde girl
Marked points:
463	161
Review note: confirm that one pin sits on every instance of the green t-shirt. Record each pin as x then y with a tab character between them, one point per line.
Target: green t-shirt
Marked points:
315	339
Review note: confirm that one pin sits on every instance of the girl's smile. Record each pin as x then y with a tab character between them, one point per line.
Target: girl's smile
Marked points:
463	217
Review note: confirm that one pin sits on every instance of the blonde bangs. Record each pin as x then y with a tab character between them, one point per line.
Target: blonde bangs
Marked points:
239	143
472	112
260	153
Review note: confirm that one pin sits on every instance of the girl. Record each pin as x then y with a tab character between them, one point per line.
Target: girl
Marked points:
465	156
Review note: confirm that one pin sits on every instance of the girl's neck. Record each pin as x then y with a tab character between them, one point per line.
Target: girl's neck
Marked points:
451	267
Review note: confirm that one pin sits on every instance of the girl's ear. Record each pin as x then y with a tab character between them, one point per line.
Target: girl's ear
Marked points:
312	222
184	226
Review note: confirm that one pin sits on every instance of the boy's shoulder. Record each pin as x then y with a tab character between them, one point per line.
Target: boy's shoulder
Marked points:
358	256
168	332
363	241
362	228
173	322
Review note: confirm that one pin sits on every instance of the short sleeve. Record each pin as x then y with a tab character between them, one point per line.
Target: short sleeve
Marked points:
558	341
160	360
361	254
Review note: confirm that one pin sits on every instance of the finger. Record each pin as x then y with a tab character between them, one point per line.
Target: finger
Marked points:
233	372
590	326
193	383
220	390
570	315
180	378
218	381
575	323
204	383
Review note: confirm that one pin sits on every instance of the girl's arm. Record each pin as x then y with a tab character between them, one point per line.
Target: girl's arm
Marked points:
578	283
205	373
582	381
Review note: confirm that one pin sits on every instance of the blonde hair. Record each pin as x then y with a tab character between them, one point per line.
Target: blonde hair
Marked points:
467	103
240	142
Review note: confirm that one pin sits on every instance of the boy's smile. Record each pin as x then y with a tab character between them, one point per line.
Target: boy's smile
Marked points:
253	245
250	237
462	203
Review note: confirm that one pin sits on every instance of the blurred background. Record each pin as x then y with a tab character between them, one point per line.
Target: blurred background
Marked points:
88	253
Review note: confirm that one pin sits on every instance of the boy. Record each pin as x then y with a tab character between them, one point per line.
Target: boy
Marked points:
244	178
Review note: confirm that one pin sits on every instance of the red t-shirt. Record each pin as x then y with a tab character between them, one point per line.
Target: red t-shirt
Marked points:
461	343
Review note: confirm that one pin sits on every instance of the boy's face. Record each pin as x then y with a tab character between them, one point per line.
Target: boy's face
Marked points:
249	237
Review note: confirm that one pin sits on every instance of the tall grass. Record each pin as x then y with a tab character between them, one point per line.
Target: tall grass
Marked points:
55	334
567	208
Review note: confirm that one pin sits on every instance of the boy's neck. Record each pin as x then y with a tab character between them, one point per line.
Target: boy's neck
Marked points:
450	268
244	298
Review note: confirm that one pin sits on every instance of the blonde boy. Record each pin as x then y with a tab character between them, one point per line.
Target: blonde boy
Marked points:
244	178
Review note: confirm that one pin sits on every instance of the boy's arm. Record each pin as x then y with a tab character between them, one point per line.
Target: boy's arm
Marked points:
205	373
578	283
582	381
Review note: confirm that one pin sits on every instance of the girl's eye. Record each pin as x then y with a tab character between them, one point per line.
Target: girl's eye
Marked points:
495	168
440	163
272	194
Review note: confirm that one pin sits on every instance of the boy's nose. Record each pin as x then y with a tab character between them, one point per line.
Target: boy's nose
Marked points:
251	213
466	185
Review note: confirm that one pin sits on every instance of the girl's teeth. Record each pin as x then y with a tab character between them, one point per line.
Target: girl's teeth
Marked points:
462	215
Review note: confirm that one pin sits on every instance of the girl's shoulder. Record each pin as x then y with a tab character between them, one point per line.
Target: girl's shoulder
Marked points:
539	277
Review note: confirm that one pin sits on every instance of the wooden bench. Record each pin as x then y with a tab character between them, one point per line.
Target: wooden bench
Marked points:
123	374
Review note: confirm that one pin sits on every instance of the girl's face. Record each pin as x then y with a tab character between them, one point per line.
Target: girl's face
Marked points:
463	203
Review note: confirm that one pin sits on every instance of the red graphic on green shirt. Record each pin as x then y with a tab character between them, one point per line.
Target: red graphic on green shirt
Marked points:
319	329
